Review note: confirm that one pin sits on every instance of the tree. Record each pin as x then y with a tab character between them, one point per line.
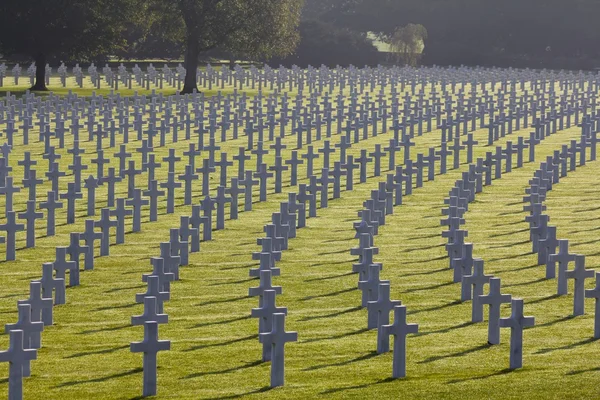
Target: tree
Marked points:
324	44
158	35
408	42
255	28
62	29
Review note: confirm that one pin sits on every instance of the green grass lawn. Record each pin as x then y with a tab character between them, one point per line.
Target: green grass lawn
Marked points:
215	351
88	89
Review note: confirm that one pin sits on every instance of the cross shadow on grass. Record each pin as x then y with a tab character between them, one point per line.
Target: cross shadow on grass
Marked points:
339	240
237	396
95	352
107	329
232	282
356	387
524	268
436	308
124	288
509	233
584	230
435	271
432	236
102	378
367	356
228	300
587	242
513	256
510	213
426	261
508	245
115	307
457	354
224	371
245	266
332	294
332	263
446	330
335	314
326	278
568	346
556	321
440	285
526	283
551	297
334	337
410	250
221	322
475	378
220	344
343	251
582	371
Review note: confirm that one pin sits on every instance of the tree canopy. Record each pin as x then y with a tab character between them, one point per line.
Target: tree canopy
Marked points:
534	32
253	28
62	29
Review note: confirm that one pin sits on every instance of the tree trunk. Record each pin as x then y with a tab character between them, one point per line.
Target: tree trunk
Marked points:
40	73
191	64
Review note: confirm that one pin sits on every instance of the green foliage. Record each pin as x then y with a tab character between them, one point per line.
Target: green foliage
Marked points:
407	43
159	34
63	29
252	28
325	44
481	31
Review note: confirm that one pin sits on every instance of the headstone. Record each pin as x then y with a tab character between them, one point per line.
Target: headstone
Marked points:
563	257
595	294
516	322
494	298
277	338
150	346
149	314
41	307
477	280
11	228
399	329
265	314
579	275
18	357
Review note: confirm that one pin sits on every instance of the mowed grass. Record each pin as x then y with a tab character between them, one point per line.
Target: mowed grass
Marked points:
215	352
56	88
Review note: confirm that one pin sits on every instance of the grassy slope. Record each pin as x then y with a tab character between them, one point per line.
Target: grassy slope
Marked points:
215	353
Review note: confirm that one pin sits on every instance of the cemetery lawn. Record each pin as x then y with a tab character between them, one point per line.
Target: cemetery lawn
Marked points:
215	352
89	89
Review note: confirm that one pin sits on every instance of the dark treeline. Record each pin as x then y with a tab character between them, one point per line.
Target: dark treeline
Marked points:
536	33
519	33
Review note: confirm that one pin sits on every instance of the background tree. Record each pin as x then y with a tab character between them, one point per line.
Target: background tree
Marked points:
407	43
486	32
158	34
46	30
325	44
255	28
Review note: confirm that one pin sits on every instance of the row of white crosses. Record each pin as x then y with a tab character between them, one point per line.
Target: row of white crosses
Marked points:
76	183
253	77
543	240
210	118
469	271
551	251
271	319
376	292
374	215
